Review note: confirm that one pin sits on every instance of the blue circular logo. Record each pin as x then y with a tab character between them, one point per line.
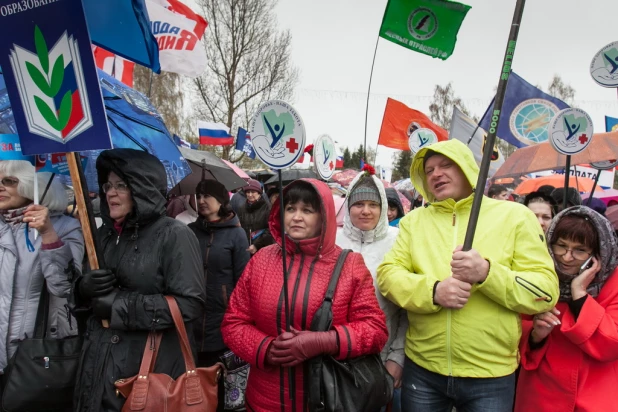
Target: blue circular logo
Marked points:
530	119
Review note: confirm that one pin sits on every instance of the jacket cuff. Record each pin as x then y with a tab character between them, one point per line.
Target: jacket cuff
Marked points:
398	356
579	332
346	342
260	357
531	357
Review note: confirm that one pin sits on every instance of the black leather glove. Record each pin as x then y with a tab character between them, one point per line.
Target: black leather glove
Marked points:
96	283
102	306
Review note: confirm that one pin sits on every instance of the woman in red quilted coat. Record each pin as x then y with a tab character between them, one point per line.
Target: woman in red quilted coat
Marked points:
569	356
255	321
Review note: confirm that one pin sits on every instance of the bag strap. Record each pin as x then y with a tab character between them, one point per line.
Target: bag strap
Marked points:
332	285
182	334
42	314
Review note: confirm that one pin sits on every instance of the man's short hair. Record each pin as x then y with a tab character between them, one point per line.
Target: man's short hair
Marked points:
495	190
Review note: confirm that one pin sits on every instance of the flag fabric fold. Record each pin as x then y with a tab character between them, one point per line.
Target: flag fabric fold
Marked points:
214	134
123	27
400	121
526	113
611	124
117	67
466	131
180	142
425	26
178	31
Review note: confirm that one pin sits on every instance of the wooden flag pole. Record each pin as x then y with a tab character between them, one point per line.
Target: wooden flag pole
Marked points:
505	72
86	217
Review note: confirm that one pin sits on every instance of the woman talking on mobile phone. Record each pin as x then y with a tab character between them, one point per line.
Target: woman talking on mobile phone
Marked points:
569	356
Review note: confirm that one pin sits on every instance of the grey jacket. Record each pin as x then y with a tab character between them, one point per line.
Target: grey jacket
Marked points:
373	245
21	282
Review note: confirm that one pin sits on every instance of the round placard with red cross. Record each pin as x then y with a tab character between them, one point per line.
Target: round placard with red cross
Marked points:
277	134
324	156
570	131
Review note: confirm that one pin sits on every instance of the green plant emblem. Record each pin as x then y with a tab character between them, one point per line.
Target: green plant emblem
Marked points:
49	84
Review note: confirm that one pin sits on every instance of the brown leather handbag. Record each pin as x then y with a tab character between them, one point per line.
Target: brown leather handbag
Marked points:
195	390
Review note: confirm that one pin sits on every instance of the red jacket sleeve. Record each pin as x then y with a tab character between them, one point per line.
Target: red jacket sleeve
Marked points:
595	330
238	327
530	358
365	332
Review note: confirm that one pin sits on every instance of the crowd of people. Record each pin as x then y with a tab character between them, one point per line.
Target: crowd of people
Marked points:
524	320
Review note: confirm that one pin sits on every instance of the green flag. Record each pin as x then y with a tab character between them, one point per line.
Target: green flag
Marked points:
425	26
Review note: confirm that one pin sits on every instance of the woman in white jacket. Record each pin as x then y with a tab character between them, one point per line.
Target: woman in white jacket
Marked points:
37	243
366	230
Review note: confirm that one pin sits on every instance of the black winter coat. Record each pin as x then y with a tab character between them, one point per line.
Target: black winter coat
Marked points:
254	219
224	252
153	256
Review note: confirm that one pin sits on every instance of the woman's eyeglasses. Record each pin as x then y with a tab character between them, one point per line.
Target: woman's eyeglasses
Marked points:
9	181
120	187
579	254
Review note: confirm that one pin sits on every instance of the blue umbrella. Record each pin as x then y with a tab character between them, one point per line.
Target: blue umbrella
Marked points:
133	123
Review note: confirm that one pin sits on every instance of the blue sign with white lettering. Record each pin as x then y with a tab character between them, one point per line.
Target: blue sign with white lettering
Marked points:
51	76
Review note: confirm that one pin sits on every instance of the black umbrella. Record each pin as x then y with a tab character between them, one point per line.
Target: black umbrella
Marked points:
290	175
206	165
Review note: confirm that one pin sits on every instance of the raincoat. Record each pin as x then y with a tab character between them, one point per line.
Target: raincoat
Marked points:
481	339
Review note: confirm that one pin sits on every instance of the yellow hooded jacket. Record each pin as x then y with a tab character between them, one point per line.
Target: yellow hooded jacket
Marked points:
481	339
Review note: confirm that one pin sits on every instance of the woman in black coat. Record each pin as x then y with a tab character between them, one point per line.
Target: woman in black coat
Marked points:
146	256
224	251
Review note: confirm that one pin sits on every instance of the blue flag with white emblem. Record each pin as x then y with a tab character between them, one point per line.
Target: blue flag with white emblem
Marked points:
526	113
611	124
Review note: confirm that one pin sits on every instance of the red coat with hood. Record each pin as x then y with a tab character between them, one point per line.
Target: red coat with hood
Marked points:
256	315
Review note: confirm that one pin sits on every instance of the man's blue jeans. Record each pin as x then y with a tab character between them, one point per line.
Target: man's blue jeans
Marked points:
425	391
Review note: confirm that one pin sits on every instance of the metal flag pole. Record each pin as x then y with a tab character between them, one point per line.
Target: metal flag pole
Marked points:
567	175
368	95
286	302
495	120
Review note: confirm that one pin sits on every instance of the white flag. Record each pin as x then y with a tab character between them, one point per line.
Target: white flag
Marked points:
463	128
179	32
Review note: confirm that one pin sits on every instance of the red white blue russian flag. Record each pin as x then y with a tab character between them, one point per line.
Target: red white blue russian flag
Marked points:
214	134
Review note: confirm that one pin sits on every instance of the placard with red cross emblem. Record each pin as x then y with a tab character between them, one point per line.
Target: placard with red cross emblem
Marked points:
277	134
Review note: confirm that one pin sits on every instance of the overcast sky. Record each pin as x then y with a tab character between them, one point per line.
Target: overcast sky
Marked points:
333	43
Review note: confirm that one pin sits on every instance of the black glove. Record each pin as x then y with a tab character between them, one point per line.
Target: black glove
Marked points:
102	305
96	283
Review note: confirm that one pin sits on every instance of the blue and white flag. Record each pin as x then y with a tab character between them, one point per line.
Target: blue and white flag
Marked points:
526	113
243	143
180	142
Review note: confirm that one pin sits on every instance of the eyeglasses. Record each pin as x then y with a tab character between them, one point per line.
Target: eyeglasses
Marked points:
578	254
9	181
120	187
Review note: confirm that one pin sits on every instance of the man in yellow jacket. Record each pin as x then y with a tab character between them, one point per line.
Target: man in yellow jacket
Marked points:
463	307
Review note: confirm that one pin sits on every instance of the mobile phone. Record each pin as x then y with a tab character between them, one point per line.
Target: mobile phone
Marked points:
587	264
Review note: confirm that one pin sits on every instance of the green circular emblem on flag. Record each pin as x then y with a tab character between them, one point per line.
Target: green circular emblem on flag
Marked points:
422	24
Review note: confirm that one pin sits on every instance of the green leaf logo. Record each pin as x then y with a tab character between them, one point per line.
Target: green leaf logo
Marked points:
49	84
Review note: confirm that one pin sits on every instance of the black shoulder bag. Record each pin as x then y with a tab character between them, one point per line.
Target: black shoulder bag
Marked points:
41	375
359	384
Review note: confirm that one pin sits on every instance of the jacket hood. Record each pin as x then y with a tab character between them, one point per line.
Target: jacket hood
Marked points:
454	150
326	241
381	228
393	196
146	178
608	249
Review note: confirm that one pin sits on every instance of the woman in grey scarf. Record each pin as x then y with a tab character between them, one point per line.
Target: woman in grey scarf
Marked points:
569	356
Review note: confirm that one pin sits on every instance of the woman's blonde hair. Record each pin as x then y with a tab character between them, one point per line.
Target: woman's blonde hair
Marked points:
56	198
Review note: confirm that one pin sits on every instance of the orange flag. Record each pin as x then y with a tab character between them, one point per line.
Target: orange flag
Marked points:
400	122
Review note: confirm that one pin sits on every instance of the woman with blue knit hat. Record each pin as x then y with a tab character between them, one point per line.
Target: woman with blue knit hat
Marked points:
366	230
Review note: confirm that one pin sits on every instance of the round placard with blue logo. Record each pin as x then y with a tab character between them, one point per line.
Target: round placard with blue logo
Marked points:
277	134
421	138
324	156
570	131
604	66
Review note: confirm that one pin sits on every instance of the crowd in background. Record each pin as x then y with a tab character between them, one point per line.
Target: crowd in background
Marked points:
525	319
